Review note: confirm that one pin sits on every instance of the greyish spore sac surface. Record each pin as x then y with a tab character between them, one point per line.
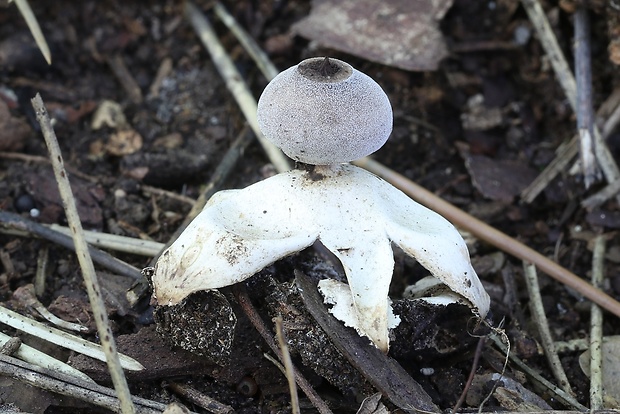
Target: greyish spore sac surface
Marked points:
327	119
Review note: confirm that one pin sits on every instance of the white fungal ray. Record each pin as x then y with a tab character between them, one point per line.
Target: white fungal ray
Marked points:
354	213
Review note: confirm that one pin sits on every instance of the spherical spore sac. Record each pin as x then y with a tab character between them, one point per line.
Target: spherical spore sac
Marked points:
323	111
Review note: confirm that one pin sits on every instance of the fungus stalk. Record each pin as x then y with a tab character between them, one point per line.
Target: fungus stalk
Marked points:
325	113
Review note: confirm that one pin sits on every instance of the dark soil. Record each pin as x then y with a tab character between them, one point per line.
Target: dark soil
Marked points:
134	179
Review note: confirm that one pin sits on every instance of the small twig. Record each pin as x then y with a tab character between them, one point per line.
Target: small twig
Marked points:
499	335
13	221
26	296
36	357
117	64
261	59
61	338
552	49
86	263
540	319
259	324
170	194
511	295
600	197
472	374
234	82
585	114
18	156
609	106
165	67
63	384
564	156
10	345
35	29
115	242
491	235
596	328
613	119
288	366
42	160
573	345
200	399
560	395
41	273
275	362
7	263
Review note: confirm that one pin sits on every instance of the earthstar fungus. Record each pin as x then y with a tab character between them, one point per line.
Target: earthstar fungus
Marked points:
326	113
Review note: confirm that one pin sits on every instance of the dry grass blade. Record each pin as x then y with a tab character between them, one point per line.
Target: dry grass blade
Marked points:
567	81
116	242
61	338
600	197
28	298
62	384
11	222
36	357
540	319
258	55
86	263
24	8
565	155
596	328
41	274
491	235
288	366
196	397
234	82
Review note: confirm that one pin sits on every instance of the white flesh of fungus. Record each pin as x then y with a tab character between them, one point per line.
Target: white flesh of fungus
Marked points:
355	214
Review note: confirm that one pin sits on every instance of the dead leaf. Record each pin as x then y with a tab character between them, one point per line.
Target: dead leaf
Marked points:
372	405
170	141
509	393
398	33
26	397
610	367
124	142
41	185
110	114
176	408
496	179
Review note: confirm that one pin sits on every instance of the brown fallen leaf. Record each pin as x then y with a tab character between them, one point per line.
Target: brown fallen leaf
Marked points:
610	367
398	33
41	185
124	142
496	179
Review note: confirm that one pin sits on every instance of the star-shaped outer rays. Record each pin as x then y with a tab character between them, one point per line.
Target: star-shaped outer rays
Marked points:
355	214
